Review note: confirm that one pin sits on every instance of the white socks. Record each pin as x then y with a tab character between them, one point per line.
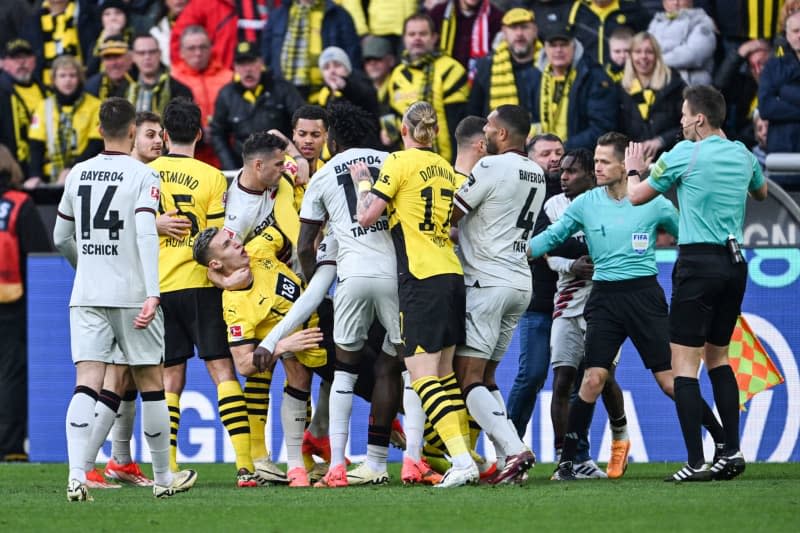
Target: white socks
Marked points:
377	457
80	418
319	421
293	419
341	405
155	424
105	410
491	416
414	420
122	431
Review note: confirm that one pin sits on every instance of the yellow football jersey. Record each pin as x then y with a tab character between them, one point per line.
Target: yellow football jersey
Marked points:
251	313
419	186
197	190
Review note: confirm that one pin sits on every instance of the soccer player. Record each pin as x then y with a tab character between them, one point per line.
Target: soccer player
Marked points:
117	403
257	197
496	208
253	310
366	289
626	299
192	306
106	230
418	186
713	177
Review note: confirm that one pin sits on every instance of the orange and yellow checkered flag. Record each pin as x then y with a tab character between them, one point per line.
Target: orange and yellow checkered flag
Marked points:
755	371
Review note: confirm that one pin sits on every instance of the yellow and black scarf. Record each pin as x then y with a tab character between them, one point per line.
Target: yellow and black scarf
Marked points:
502	84
127	90
153	98
303	44
643	98
249	95
424	63
59	35
554	101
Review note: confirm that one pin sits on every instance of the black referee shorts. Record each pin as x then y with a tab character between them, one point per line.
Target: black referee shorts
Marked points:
432	312
193	317
634	308
707	293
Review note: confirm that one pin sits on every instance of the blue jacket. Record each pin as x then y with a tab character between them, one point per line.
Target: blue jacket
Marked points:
593	105
337	30
779	102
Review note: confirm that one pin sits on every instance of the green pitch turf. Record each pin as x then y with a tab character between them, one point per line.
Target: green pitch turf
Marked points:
765	498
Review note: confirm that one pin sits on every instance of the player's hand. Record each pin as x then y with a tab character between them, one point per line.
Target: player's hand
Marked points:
651	147
147	314
359	172
635	157
262	358
583	268
303	174
298	341
32	182
171	225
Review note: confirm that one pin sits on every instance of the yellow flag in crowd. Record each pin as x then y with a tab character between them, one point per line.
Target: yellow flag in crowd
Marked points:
755	371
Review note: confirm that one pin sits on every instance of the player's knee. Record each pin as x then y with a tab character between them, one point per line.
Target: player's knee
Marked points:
593	382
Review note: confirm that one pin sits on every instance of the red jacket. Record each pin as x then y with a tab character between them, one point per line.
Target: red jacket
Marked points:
221	21
205	87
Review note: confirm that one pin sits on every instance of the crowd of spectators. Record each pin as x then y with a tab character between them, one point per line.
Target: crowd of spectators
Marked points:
580	67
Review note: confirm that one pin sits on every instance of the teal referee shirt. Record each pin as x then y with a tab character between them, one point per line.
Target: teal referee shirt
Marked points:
712	177
621	237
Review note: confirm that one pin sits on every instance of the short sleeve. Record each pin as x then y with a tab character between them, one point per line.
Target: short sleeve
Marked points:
218	196
668	216
757	180
476	188
388	182
327	250
313	208
671	166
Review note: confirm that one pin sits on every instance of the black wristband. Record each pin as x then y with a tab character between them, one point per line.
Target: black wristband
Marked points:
634	172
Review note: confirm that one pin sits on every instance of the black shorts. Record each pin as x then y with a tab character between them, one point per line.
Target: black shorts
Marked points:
707	293
193	317
432	312
634	308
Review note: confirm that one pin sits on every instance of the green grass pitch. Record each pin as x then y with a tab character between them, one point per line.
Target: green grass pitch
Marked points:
765	498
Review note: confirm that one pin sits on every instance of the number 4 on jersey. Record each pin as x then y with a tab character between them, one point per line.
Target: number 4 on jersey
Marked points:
525	220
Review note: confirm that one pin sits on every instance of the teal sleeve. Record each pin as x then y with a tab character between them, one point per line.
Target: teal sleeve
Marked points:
670	166
758	176
556	234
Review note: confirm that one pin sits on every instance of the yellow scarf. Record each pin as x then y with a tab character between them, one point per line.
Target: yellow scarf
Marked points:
502	85
554	101
644	98
59	35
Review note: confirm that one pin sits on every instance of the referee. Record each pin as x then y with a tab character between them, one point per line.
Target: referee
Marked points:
713	177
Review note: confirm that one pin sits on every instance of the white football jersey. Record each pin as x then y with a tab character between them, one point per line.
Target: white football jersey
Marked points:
501	200
248	212
331	195
571	292
102	196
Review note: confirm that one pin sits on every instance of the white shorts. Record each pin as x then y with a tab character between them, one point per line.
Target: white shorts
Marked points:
107	335
356	304
492	316
567	341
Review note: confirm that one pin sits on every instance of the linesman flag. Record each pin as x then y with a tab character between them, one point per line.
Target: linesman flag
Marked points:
755	371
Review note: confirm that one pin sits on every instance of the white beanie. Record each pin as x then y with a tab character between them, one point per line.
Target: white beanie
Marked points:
334	53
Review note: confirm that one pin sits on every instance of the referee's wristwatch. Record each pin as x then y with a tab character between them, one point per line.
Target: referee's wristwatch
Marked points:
634	172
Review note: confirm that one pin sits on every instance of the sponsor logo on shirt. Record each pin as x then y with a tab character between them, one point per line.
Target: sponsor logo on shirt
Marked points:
236	332
155	194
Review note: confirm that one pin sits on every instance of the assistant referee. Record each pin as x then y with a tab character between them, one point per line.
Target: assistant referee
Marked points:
713	177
